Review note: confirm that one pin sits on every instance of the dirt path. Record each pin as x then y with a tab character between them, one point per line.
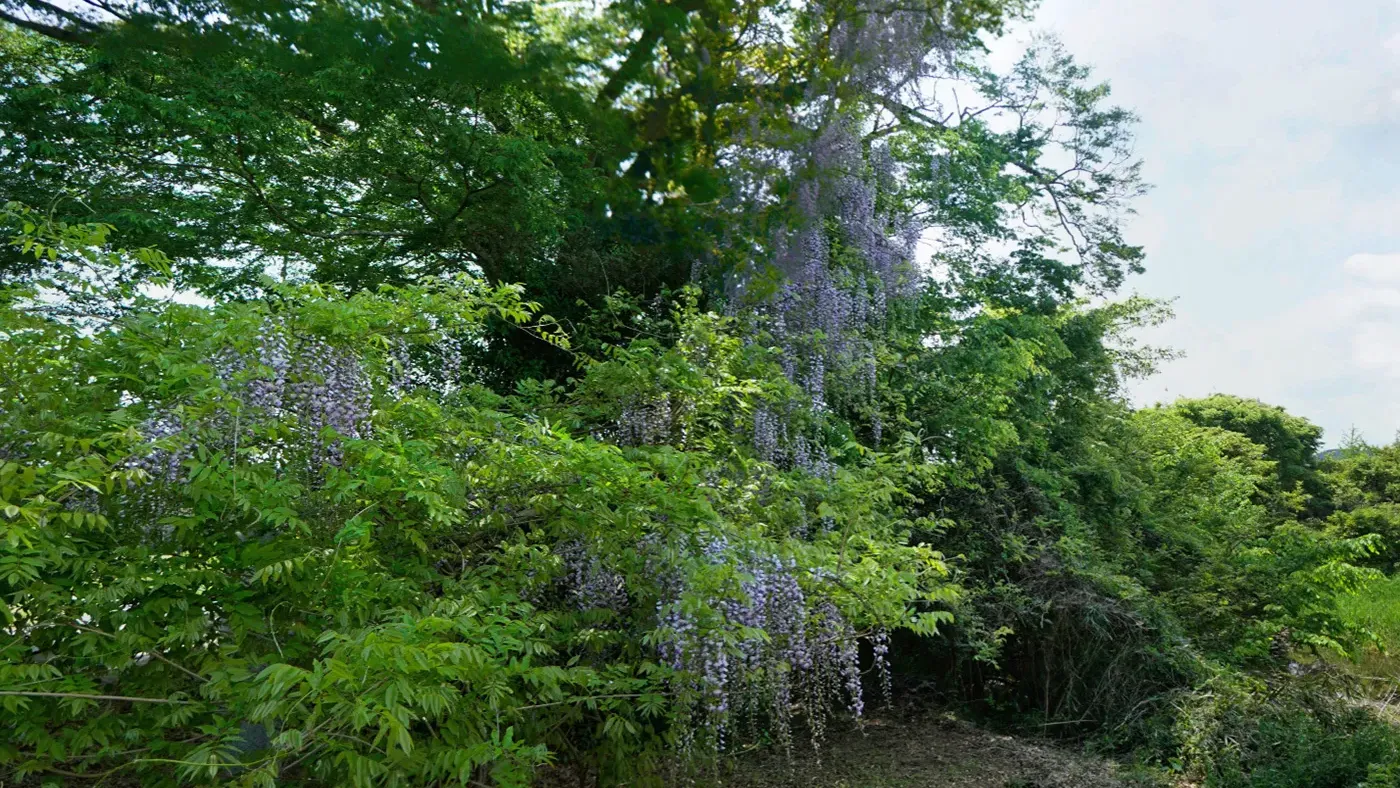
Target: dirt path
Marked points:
932	752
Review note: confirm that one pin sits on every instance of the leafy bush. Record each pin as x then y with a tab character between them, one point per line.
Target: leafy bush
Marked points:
291	539
1237	732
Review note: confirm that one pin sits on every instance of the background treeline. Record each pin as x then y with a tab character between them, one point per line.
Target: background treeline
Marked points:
419	393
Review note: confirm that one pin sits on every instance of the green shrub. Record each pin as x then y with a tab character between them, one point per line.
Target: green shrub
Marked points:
292	540
1237	732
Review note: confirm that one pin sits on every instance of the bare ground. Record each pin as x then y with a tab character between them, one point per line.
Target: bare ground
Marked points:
931	751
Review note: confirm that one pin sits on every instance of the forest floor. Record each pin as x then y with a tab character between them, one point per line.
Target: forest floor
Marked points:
932	751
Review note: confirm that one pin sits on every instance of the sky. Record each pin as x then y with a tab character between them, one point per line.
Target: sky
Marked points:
1270	130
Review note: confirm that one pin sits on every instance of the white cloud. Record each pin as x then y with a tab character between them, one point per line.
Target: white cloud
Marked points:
1272	135
1374	267
1334	357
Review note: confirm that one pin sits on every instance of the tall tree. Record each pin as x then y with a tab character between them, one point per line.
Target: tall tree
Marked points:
576	152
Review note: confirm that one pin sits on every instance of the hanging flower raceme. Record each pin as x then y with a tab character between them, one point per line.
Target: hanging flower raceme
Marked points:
834	252
321	391
760	651
589	583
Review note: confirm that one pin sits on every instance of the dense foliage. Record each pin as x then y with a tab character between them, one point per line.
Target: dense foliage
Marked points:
418	393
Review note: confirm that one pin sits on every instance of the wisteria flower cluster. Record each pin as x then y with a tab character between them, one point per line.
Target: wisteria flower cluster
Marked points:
436	366
772	443
590	583
886	46
163	463
843	255
825	316
653	422
303	382
838	202
806	657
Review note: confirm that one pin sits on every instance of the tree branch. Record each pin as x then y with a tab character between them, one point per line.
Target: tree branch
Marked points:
51	31
277	215
63	13
153	653
906	113
637	56
109	9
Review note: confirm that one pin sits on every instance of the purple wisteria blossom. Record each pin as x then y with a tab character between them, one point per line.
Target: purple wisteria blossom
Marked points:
842	249
590	584
768	647
321	391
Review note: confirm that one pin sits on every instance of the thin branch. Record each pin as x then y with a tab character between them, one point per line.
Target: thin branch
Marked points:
466	200
906	113
258	192
581	700
155	654
86	696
